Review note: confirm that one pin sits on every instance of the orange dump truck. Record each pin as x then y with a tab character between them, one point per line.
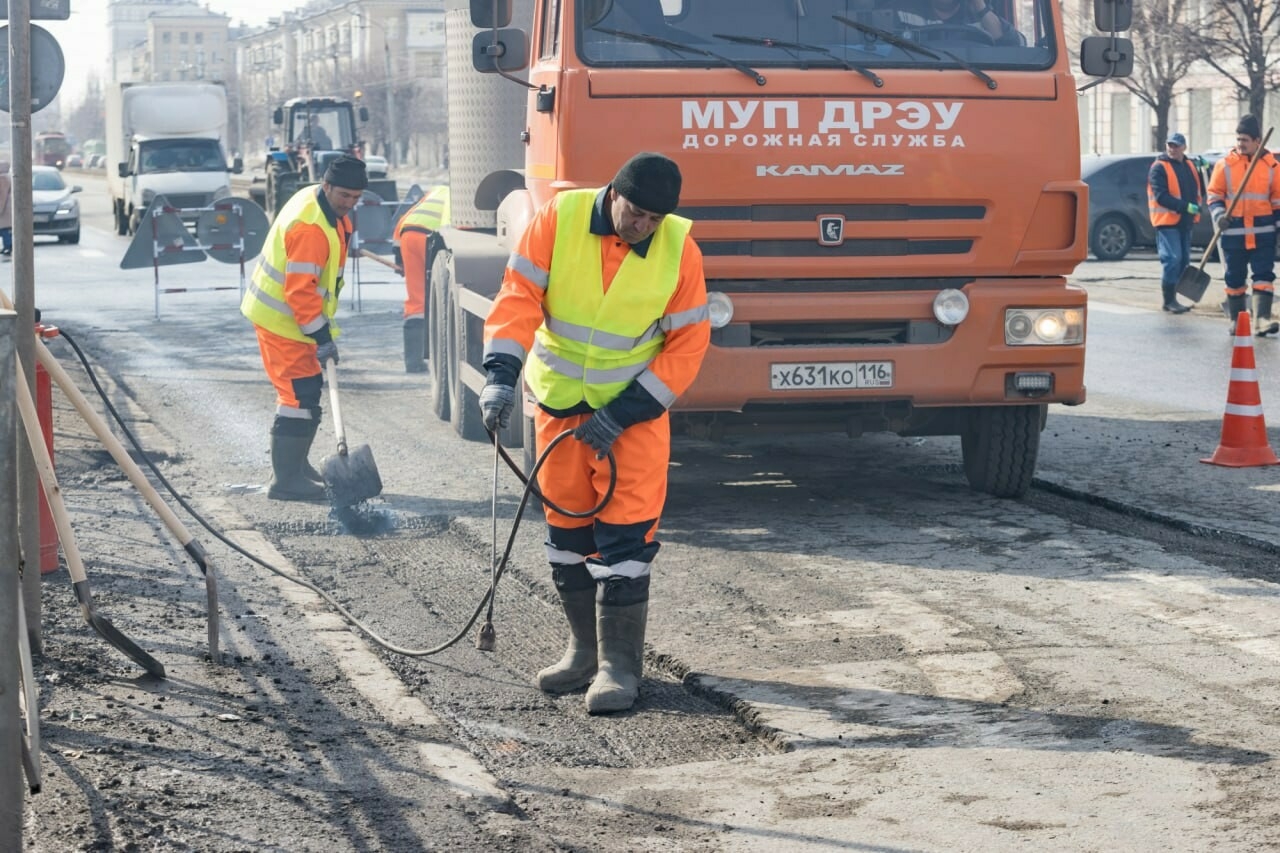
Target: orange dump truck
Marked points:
888	205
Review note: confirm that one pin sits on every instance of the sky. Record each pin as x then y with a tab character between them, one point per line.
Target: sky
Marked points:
84	41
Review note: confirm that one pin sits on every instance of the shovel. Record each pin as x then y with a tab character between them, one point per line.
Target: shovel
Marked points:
62	520
351	476
1194	281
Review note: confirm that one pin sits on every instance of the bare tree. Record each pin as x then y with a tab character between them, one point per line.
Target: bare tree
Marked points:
1238	40
1164	51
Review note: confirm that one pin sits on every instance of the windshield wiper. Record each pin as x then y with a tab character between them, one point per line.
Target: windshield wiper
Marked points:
677	47
909	46
794	46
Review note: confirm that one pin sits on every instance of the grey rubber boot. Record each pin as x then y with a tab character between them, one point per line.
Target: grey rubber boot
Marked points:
415	345
577	591
288	483
1262	322
622	609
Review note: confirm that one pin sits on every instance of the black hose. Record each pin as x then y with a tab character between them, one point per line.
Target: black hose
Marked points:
498	569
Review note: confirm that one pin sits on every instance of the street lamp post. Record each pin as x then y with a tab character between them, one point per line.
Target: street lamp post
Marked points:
391	107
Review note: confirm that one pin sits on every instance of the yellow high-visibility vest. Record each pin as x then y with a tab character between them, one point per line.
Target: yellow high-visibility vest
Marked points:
264	303
592	344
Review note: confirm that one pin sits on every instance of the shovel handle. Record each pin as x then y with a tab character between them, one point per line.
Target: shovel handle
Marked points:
331	376
1217	229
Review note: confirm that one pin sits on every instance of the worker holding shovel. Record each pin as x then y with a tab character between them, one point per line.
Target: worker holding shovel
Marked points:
291	300
1248	240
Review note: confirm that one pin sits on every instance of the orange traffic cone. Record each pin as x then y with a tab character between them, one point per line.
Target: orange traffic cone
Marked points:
1244	432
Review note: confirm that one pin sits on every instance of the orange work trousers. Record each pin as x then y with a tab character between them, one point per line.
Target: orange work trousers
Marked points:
576	480
294	371
413	254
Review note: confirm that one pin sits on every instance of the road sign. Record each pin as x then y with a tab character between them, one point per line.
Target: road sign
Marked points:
47	68
42	10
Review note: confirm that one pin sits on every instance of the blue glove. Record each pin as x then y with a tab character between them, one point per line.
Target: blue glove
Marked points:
325	351
1193	209
601	431
496	402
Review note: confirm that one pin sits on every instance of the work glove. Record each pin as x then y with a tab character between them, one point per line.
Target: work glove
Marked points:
1218	215
600	431
325	351
1193	209
496	402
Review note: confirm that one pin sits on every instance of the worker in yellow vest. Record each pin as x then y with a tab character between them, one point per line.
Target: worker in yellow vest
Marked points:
413	231
604	306
291	300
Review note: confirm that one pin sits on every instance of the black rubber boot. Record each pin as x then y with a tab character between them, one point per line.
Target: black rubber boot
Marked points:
577	591
1233	308
622	610
1171	303
415	345
308	470
288	483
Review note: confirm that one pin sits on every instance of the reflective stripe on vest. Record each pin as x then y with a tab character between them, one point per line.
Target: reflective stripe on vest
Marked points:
431	213
264	302
593	343
1160	215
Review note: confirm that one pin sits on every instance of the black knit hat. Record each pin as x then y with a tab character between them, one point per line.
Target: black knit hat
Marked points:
347	172
650	181
1249	127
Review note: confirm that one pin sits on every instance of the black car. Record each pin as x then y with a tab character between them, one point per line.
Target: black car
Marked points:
1118	216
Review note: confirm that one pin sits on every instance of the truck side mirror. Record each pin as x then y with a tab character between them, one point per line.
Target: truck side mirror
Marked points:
237	165
122	169
278	116
364	115
1104	56
500	50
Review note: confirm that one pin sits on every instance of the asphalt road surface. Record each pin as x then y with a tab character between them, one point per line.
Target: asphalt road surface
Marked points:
848	649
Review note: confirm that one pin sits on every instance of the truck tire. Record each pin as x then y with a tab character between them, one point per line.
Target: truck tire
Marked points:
282	183
466	403
1000	447
439	323
135	221
122	221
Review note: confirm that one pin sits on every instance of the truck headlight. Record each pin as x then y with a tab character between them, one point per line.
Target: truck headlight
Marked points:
1043	326
950	307
719	308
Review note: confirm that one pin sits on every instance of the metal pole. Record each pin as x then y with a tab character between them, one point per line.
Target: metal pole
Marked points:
392	153
11	794
24	301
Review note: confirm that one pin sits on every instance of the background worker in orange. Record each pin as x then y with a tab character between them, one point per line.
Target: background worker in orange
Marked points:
1248	241
414	229
291	300
604	305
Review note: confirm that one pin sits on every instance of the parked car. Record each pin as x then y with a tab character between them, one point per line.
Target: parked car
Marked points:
55	211
98	161
1119	220
376	166
75	161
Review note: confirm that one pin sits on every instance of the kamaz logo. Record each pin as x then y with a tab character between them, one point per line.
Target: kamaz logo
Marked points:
820	170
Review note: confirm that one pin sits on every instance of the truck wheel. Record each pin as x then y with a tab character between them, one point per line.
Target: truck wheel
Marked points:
439	321
135	221
122	221
466	403
1000	447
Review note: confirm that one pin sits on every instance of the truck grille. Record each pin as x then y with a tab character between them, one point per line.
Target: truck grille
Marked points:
187	200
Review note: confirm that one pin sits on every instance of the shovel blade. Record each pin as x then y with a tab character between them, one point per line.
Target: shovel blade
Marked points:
1192	283
352	478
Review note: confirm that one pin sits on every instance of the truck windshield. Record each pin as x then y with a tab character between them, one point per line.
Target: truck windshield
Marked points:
181	155
811	33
